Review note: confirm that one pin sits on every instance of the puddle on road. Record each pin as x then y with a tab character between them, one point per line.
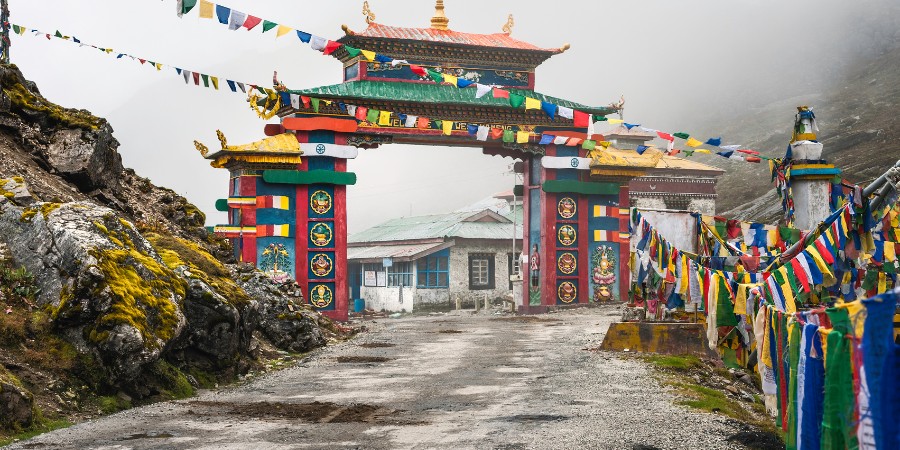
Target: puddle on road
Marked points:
377	345
525	319
361	359
315	412
449	331
148	435
528	418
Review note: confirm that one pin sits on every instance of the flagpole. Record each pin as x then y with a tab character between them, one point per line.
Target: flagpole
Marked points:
4	31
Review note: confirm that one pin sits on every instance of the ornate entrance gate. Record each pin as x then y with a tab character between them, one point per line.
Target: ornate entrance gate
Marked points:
287	198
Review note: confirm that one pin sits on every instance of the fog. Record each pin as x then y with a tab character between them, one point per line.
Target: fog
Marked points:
680	65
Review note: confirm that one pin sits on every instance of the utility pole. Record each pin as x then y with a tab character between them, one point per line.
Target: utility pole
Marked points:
4	31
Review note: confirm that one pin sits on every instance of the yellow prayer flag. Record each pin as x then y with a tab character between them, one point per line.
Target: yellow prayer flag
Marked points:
206	9
449	79
447	125
890	253
691	142
158	66
522	137
384	118
616	121
282	30
370	55
532	103
215	82
789	305
702	150
882	282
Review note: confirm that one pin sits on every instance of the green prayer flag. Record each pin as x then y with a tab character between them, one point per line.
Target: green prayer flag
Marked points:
793	359
589	144
372	116
16	29
268	25
205	79
58	34
682	135
792	279
871	280
838	402
261	90
508	135
437	123
721	228
436	76
724	308
352	51
187	6
688	152
599	118
516	101
315	104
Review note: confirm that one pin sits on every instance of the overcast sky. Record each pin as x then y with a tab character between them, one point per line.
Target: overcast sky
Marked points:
678	63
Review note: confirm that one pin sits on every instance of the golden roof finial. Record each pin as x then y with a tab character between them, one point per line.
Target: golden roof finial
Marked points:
510	23
440	20
370	16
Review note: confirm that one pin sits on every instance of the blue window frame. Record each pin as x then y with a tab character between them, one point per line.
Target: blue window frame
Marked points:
433	271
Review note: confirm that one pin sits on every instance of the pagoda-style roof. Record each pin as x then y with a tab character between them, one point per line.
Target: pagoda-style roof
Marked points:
283	149
430	93
496	40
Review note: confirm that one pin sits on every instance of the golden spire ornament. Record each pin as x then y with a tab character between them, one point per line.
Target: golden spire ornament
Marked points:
370	16
510	23
440	20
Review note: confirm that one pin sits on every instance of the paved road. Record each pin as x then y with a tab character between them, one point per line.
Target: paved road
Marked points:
448	381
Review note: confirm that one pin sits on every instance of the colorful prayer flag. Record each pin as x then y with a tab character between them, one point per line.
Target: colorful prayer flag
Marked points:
691	142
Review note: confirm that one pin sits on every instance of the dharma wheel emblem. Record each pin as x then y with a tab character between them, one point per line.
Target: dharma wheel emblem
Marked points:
320	149
574	163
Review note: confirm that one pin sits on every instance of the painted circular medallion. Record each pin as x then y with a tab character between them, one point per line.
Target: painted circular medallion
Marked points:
320	202
321	235
321	265
321	296
566	263
566	208
566	235
567	292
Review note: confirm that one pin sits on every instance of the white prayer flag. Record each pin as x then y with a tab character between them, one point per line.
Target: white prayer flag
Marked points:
351	110
295	101
237	20
565	112
318	43
411	121
481	90
560	140
482	133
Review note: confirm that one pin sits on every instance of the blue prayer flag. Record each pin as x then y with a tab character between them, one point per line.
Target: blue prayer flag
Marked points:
724	154
641	149
231	85
383	59
546	139
631	125
715	142
223	13
304	37
549	109
461	83
472	129
178	71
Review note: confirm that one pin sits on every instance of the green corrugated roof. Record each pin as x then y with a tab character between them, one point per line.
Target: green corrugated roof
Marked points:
450	225
431	93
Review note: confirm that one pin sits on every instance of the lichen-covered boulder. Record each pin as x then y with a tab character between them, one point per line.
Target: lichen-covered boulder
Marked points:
16	402
282	319
109	292
87	158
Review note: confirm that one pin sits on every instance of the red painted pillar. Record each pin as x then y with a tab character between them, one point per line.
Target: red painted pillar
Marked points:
583	269
342	287
247	188
624	244
548	237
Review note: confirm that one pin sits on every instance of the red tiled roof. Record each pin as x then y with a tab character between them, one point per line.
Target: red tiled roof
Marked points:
501	40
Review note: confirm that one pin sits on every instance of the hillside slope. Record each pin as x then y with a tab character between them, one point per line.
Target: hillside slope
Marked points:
857	125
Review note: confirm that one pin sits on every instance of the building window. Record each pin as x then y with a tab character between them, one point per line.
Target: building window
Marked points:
433	271
370	274
399	274
481	271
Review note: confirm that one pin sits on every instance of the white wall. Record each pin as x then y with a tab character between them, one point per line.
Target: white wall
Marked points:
679	228
388	298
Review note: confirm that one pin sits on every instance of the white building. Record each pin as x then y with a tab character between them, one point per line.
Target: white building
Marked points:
426	263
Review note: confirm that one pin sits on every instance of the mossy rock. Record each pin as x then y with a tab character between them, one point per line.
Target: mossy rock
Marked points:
177	252
22	98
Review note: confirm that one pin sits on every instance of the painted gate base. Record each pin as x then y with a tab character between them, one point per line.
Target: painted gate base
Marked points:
663	338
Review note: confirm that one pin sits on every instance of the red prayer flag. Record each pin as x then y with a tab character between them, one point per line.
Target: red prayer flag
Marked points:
665	136
196	78
752	159
361	113
305	101
673	152
500	93
749	152
581	119
331	47
418	70
496	133
142	60
251	22
423	122
800	274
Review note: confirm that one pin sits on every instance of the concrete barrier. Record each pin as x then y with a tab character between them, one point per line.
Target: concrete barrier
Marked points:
663	338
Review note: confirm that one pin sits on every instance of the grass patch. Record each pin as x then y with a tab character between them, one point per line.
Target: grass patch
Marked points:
45	426
112	403
680	363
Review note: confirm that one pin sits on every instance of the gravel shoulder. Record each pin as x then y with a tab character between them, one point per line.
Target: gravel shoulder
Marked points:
456	381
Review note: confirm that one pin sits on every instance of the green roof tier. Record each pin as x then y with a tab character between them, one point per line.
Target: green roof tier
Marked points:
430	93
